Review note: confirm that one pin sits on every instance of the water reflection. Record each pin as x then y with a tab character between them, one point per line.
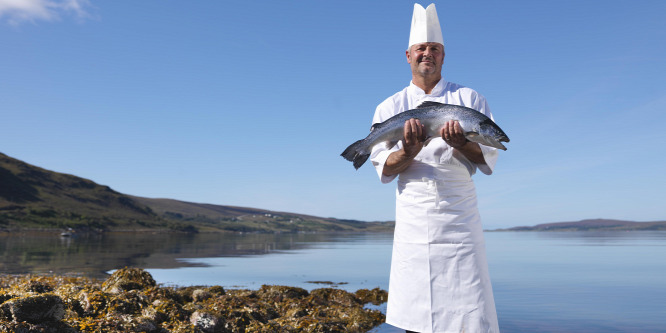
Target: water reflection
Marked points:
602	238
350	262
95	254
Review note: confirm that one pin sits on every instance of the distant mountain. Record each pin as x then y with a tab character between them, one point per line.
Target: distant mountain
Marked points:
35	198
593	225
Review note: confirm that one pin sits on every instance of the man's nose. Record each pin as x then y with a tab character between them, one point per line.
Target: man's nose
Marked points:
427	52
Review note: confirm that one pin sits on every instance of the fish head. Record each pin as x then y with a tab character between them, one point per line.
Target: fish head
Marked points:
489	134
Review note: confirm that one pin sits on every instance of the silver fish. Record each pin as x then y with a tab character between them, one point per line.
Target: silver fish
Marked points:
433	115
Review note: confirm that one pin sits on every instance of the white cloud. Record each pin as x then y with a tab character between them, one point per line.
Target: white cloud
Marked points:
16	12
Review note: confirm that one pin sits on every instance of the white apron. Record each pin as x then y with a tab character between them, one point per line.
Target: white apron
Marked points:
439	274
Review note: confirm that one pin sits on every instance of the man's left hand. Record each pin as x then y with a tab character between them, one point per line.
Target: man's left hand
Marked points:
453	134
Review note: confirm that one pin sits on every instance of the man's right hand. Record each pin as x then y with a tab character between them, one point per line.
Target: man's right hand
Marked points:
412	143
413	137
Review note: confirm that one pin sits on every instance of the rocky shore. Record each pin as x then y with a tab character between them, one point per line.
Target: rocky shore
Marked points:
130	301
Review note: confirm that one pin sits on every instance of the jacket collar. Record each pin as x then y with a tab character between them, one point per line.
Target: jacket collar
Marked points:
436	91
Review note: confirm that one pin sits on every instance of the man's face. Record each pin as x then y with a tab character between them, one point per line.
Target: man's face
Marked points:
426	59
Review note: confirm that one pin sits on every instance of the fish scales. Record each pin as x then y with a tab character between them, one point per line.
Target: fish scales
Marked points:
433	115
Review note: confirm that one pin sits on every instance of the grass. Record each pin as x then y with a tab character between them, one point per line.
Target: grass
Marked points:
35	198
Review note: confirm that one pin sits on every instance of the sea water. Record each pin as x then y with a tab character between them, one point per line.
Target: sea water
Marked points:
542	281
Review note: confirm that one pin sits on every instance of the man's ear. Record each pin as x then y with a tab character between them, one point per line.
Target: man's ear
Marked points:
409	59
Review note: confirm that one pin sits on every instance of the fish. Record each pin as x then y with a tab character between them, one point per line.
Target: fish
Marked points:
433	115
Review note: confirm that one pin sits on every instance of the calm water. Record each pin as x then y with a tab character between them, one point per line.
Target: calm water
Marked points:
543	282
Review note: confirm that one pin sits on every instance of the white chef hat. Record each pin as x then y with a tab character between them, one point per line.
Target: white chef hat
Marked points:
425	26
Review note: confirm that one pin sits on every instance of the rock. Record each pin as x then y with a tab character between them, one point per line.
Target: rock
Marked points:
237	321
23	327
375	296
128	279
38	286
141	324
295	311
130	302
185	293
6	297
359	319
217	290
200	295
270	327
162	310
279	293
93	302
206	321
262	311
192	307
35	309
325	296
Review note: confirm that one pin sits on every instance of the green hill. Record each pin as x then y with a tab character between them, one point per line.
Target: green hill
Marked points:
593	225
35	198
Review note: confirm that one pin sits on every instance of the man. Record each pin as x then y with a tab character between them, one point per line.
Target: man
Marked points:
439	274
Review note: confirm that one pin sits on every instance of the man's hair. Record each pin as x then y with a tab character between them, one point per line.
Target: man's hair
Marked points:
410	47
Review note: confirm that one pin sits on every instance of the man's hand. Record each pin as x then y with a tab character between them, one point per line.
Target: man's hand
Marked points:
412	143
453	134
413	137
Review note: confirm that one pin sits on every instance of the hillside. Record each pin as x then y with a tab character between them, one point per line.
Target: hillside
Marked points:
36	198
244	219
593	225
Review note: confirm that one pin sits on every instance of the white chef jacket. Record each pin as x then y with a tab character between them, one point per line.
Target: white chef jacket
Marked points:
439	278
437	151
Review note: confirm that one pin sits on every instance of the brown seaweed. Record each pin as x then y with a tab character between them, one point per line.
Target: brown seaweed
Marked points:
130	301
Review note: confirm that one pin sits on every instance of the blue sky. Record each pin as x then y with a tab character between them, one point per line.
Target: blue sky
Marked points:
251	103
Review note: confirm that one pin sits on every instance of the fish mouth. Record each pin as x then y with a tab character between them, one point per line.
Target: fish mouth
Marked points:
500	140
492	143
488	141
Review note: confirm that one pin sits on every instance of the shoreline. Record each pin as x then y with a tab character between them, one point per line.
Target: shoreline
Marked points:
76	232
130	300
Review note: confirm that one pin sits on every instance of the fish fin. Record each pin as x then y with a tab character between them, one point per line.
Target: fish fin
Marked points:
476	137
359	160
354	153
427	141
428	104
471	135
391	144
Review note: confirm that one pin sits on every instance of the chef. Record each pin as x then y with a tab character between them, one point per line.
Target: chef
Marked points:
439	279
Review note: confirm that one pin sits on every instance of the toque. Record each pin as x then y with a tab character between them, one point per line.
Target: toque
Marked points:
425	26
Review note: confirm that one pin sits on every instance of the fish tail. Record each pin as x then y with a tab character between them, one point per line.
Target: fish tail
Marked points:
355	153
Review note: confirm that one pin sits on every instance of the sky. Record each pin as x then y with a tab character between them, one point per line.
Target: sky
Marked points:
251	103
